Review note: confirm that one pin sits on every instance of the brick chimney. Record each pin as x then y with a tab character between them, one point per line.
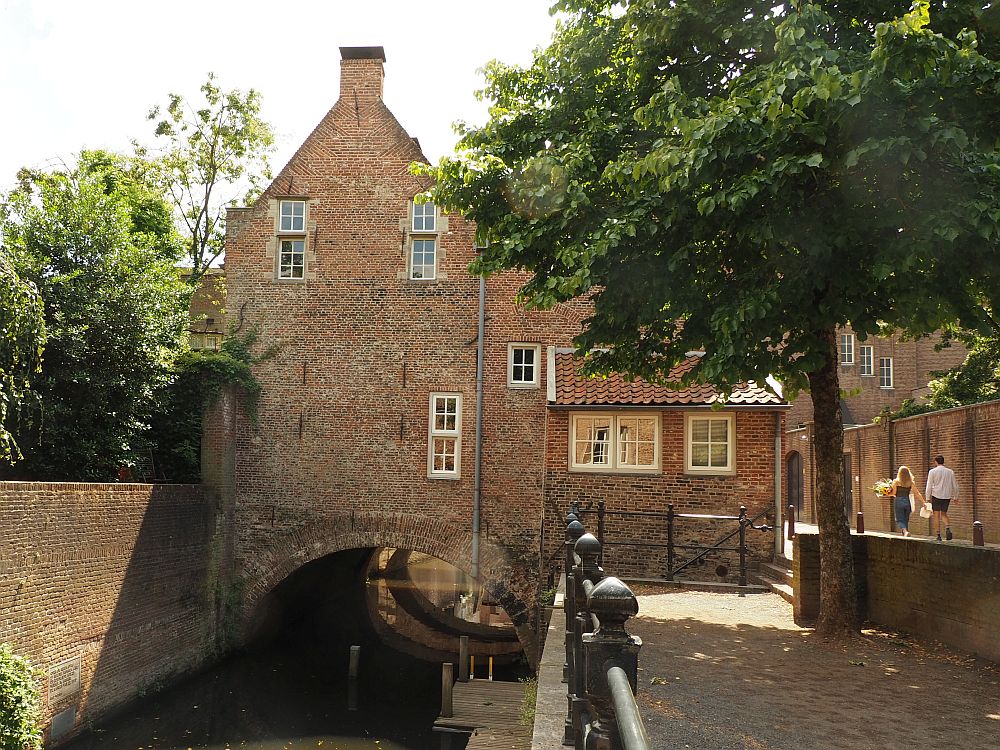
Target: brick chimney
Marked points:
361	73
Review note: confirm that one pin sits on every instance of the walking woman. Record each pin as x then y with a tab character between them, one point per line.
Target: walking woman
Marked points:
907	496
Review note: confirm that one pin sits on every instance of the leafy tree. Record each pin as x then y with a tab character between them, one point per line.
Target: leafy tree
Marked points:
19	703
97	240
198	379
215	155
22	336
743	177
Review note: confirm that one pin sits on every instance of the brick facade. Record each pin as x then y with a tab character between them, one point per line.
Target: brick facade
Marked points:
342	436
207	325
913	363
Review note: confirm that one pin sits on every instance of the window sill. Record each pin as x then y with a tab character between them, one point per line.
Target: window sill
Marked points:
446	477
721	473
288	281
606	471
887	387
523	386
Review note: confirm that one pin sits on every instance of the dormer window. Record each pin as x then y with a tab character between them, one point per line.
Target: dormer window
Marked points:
424	217
292	217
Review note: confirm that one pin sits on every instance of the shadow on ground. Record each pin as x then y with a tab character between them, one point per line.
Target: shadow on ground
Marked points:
720	672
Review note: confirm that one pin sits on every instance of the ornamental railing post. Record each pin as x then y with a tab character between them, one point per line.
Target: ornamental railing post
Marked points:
609	646
601	528
743	545
574	530
670	541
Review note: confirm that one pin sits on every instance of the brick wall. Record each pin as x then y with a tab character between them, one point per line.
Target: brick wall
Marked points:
966	437
945	592
120	576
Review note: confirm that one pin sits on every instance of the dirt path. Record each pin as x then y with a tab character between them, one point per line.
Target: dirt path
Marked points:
719	672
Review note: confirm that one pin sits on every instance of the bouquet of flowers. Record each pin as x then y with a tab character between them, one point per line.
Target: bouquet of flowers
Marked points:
883	488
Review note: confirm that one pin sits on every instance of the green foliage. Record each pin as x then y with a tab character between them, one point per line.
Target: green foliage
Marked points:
742	178
198	379
19	703
97	242
22	337
215	154
526	714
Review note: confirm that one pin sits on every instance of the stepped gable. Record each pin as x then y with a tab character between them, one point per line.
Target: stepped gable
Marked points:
575	389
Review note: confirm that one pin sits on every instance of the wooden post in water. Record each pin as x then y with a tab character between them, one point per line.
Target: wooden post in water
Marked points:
352	669
490	677
463	658
447	690
472	667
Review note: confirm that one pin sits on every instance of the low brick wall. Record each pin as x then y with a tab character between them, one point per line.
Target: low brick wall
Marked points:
946	592
109	589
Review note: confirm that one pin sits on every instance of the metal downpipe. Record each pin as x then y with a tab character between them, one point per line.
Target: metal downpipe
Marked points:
478	477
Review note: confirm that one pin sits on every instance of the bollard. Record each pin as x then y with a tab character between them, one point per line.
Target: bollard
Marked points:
472	667
601	512
490	672
978	540
352	669
861	523
791	522
463	658
447	690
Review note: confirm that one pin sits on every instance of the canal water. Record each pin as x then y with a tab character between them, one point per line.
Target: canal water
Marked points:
290	691
283	697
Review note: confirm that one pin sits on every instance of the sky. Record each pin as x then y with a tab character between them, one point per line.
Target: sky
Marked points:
78	74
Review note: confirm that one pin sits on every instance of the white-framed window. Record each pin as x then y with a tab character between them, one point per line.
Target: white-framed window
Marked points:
212	342
885	372
866	361
622	442
292	259
423	258
424	217
709	443
292	216
847	348
444	448
523	365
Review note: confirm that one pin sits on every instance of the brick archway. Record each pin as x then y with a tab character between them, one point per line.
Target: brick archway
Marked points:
288	552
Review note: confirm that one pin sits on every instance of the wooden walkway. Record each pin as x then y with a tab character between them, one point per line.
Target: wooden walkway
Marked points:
491	711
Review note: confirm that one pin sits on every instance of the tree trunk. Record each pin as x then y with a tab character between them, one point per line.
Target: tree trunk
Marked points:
838	607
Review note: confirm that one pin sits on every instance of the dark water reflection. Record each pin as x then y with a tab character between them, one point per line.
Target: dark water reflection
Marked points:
287	695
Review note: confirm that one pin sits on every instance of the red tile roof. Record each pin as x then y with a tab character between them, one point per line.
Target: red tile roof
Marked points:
573	389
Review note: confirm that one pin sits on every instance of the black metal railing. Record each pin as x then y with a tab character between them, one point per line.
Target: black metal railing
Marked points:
601	657
670	518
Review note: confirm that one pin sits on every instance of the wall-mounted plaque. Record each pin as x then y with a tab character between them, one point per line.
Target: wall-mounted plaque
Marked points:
64	680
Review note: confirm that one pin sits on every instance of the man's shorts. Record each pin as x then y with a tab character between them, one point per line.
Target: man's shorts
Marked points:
940	505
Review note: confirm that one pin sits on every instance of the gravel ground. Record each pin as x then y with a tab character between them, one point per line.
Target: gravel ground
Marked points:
720	672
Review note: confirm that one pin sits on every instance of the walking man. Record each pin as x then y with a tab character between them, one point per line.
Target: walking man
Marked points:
941	489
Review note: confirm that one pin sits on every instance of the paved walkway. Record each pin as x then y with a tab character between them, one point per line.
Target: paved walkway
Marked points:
719	672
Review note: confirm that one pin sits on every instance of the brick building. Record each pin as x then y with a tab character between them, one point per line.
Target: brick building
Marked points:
880	373
367	427
207	314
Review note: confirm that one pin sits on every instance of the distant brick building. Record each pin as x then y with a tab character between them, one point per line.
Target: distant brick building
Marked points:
880	373
207	321
367	421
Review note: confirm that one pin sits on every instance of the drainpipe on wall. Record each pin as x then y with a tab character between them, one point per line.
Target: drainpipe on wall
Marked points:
779	538
477	481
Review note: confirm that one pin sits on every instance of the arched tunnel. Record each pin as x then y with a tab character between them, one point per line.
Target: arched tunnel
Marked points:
409	601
